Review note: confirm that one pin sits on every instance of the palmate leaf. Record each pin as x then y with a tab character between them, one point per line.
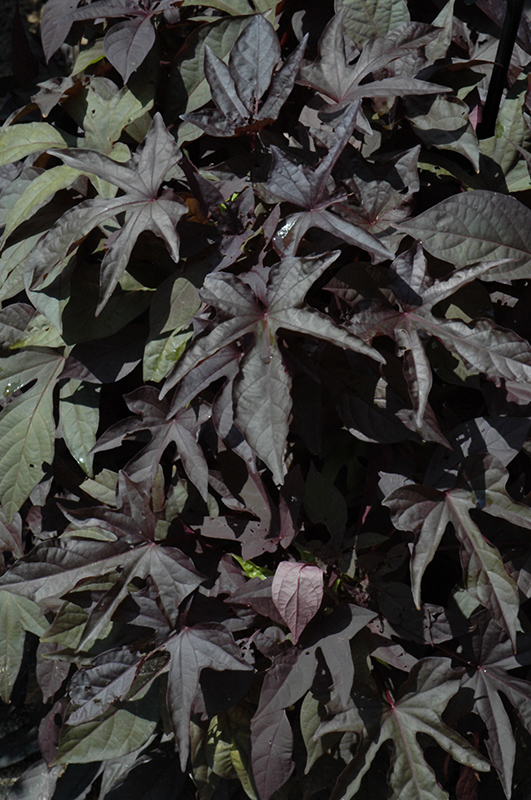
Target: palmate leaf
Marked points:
126	44
172	573
417	710
58	566
192	650
481	345
261	393
490	654
237	89
290	676
144	206
55	567
338	79
103	111
380	196
152	415
427	512
308	187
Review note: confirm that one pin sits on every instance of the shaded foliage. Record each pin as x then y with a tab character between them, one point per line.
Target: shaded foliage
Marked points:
264	404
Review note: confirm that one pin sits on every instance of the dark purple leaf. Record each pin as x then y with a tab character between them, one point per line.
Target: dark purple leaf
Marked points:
308	187
297	592
256	593
334	75
427	512
113	676
126	44
272	744
483	347
145	208
262	389
51	672
237	89
400	720
56	22
491	655
193	650
253	59
152	416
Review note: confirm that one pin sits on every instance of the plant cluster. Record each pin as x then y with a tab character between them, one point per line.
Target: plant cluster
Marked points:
265	380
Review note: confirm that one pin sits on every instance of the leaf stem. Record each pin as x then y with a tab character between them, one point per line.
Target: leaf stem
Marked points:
511	24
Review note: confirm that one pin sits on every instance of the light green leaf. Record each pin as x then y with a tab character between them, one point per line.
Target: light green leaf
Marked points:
13	191
68	626
118	732
161	354
189	88
173	306
12	265
17	615
502	165
371	18
52	299
40	190
79	416
102	487
236	7
90	55
39	333
27	429
444	19
21	369
312	714
104	111
251	569
18	141
217	749
443	123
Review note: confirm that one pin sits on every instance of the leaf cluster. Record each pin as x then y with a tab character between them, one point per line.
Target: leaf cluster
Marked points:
265	408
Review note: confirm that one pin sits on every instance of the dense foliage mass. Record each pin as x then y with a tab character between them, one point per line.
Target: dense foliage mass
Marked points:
265	381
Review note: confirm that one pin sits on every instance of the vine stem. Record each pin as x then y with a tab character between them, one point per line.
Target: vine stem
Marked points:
513	14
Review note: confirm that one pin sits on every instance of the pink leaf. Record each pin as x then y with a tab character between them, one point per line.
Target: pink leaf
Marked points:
297	591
